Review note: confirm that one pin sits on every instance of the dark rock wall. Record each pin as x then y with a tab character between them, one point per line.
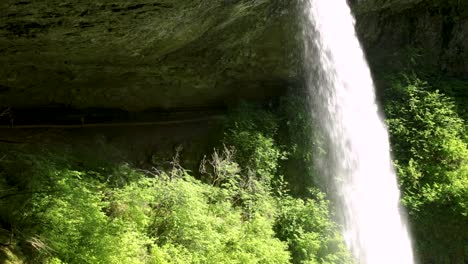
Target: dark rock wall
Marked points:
428	34
166	54
145	53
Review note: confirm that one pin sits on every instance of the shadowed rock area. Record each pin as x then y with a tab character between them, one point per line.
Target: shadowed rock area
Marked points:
136	55
166	54
432	35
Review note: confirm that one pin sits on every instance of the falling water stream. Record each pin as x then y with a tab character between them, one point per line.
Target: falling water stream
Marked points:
342	89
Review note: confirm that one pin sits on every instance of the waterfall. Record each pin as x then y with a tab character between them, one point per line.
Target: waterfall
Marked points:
358	160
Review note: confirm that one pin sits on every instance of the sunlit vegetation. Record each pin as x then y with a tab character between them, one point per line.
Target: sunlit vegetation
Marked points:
431	156
237	210
253	199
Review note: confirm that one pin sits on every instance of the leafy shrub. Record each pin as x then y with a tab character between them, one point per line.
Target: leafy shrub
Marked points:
74	217
251	132
238	212
304	143
432	162
305	225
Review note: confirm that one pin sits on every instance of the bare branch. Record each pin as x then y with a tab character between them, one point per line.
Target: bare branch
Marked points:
5	112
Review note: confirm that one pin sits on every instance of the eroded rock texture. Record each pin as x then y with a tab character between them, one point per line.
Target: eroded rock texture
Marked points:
144	54
427	34
167	54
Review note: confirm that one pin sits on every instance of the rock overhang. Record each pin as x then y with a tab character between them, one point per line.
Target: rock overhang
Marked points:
136	55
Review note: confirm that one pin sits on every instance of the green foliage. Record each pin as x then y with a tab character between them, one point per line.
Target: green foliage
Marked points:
456	89
75	217
201	221
73	226
251	132
55	210
304	225
300	135
252	117
428	138
312	238
431	152
247	192
299	125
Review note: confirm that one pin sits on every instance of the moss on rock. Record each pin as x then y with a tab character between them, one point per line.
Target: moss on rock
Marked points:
144	54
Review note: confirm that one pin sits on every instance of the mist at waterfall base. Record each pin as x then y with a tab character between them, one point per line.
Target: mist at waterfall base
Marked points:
358	159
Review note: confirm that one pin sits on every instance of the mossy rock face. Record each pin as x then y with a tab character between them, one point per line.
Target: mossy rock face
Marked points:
144	54
424	34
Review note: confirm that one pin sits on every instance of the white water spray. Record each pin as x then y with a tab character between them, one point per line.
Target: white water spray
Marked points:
359	160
